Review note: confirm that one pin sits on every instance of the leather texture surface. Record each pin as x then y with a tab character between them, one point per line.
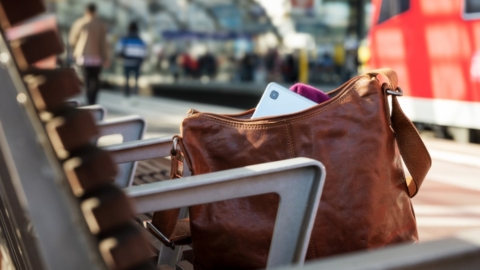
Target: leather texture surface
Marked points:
365	202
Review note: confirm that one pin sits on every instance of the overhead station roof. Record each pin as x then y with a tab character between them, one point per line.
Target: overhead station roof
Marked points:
245	16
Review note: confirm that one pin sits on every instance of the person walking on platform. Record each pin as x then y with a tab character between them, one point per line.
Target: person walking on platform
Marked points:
87	39
133	51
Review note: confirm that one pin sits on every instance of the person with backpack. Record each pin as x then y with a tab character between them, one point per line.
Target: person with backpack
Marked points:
133	50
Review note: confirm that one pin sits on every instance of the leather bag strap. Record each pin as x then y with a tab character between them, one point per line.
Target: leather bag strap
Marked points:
166	221
413	150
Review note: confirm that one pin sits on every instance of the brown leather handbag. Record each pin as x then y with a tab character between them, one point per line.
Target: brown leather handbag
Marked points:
366	198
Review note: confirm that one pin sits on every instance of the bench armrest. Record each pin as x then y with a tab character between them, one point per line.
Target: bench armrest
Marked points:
140	150
298	206
130	127
97	111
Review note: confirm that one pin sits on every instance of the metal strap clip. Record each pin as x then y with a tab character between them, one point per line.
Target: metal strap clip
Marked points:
174	146
397	92
177	159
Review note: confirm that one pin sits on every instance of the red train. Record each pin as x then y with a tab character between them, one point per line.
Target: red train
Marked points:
434	45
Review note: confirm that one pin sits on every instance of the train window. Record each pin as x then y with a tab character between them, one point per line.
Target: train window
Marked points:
471	9
391	8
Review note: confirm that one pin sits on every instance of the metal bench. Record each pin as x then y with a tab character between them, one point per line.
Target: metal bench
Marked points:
145	150
298	199
52	217
98	111
130	128
58	209
457	252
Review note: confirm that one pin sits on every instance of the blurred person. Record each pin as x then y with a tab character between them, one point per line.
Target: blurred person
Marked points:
260	73
189	65
272	64
326	65
207	65
173	65
89	45
133	50
290	69
248	64
158	51
351	65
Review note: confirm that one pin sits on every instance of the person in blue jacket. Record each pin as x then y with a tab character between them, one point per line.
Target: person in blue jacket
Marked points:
133	51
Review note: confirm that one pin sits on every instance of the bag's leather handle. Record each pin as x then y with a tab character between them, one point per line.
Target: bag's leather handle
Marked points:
413	151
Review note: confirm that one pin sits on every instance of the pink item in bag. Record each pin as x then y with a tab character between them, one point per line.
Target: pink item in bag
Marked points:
310	92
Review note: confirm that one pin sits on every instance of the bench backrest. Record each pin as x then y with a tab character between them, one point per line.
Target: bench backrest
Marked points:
48	164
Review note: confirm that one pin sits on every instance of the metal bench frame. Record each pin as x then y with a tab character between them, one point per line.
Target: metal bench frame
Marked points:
146	194
97	111
298	182
458	252
140	150
41	220
132	128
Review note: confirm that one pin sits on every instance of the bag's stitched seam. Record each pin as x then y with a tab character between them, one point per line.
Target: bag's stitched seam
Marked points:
290	141
275	125
244	126
268	126
343	97
319	111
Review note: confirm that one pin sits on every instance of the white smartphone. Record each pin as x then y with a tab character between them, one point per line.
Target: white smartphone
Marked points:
278	100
